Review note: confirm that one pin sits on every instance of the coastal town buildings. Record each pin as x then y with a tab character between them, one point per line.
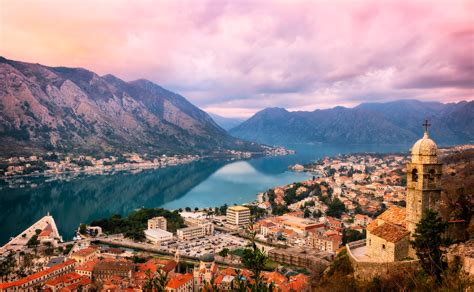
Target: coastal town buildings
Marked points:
158	235
39	278
238	216
192	232
84	255
157	223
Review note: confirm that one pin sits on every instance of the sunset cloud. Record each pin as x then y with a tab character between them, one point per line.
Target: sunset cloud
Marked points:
237	57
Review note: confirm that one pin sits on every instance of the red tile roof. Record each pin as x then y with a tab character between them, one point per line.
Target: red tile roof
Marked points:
178	280
84	281
390	232
170	266
63	279
36	275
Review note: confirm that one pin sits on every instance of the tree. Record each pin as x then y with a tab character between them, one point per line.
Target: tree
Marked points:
155	281
223	253
82	228
7	265
33	241
336	208
180	210
349	235
49	248
317	214
307	213
188	209
223	209
427	242
196	209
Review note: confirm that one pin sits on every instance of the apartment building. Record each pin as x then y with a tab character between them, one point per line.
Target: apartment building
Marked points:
238	216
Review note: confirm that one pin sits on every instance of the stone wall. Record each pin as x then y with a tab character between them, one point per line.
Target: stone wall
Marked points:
366	271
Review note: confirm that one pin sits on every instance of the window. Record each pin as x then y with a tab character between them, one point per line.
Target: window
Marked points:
431	175
414	175
383	246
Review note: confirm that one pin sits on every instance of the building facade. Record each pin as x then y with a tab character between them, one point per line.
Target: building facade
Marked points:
191	232
157	223
238	216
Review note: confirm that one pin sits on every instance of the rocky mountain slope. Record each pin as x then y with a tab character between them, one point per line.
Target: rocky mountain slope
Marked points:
368	123
75	110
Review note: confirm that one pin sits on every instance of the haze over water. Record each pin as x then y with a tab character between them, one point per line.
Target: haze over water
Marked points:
200	184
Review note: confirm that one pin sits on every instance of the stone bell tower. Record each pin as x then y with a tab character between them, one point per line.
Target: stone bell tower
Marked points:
423	180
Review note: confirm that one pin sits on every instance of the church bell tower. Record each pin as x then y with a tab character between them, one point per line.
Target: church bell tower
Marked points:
423	180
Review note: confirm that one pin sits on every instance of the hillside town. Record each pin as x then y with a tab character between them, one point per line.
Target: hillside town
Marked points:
14	169
300	228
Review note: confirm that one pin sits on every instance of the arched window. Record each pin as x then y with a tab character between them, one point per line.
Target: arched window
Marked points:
431	175
383	246
414	175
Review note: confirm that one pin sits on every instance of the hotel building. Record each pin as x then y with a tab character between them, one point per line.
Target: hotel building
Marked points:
238	216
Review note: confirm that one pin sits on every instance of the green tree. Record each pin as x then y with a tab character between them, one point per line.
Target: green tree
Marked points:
427	242
255	260
155	281
49	250
336	208
188	209
223	253
307	213
223	209
33	241
82	228
7	265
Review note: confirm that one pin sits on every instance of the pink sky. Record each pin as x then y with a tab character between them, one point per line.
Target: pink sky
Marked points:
237	57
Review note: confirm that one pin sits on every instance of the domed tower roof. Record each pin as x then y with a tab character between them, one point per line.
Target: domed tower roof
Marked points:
424	150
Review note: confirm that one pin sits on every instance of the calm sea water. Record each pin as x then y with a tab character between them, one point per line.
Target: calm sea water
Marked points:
200	184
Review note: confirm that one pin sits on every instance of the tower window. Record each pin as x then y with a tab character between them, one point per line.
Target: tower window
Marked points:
431	175
414	175
383	246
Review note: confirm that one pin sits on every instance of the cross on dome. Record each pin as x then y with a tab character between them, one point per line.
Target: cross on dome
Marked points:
426	125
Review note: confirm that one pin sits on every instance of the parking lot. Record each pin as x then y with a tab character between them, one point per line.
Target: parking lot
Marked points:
210	244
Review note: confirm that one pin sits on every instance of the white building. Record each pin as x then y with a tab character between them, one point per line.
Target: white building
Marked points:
238	216
195	231
157	223
158	235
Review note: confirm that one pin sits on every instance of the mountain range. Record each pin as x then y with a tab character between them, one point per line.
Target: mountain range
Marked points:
75	110
369	123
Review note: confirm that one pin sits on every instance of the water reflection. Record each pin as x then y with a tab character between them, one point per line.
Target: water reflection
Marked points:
200	184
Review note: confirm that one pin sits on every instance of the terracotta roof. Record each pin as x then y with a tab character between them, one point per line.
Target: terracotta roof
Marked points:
267	223
63	279
84	252
179	280
390	232
36	275
46	231
275	277
299	282
84	281
394	215
228	272
170	266
87	266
